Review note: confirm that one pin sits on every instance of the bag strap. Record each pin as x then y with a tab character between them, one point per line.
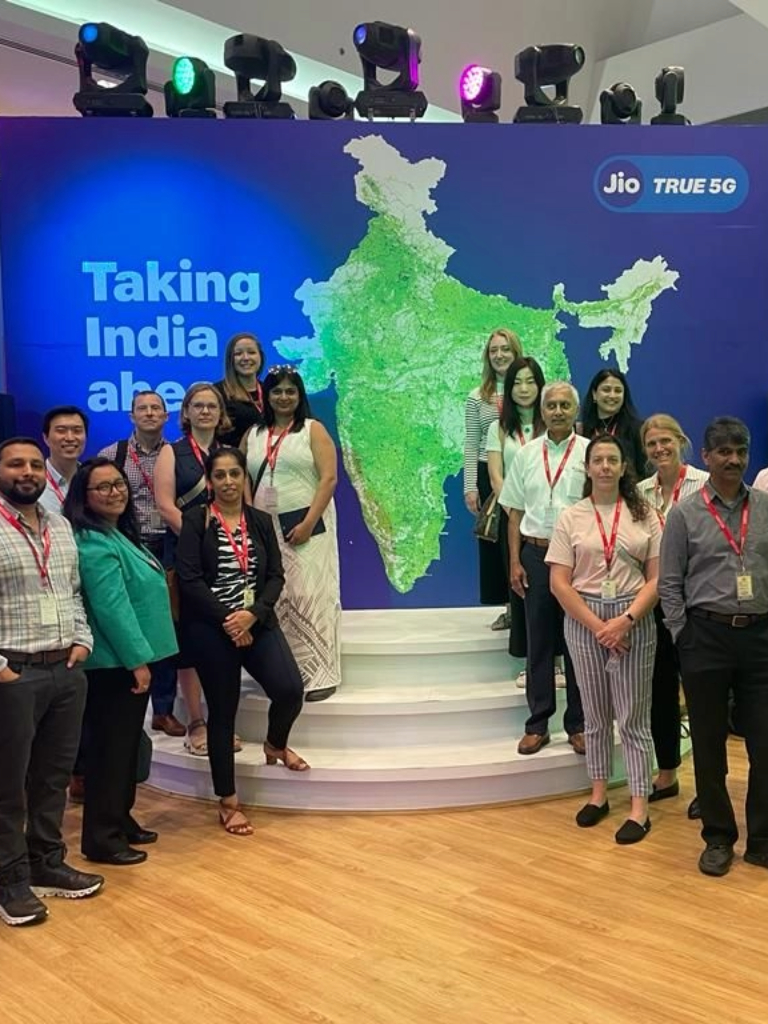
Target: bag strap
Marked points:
121	454
192	493
255	481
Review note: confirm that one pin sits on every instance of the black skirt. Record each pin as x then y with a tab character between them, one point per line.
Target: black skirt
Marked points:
494	587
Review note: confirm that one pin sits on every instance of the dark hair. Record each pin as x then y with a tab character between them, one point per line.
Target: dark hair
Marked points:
63	410
510	415
148	391
220	453
82	517
276	375
725	430
20	440
231	384
638	506
626	419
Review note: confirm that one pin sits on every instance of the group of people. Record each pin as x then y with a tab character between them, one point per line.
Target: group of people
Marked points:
640	570
151	563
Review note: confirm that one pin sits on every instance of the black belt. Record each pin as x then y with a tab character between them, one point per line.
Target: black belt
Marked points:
538	542
736	621
40	658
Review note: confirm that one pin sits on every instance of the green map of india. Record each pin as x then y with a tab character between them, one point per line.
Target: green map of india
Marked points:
400	338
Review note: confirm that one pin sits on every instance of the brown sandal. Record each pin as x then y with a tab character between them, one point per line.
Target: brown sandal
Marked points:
289	757
242	828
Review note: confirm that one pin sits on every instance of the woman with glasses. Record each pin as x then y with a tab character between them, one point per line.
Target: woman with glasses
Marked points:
241	387
180	485
126	600
292	463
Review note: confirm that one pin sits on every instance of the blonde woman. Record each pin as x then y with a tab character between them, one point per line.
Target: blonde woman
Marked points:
482	410
665	446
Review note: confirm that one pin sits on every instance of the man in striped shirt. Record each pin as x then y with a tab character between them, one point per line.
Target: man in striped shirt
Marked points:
44	637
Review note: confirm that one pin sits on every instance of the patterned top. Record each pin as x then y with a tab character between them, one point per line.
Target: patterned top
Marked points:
142	488
22	625
650	490
478	416
230	582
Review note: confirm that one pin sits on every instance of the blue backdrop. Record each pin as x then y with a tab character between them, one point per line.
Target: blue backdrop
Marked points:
379	258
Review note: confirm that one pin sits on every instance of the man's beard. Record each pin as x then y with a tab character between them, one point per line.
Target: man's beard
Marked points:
17	496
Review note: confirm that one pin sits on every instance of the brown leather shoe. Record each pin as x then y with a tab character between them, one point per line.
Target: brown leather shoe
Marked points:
577	742
532	743
168	724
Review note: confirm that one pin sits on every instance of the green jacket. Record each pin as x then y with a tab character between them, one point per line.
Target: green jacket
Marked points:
126	600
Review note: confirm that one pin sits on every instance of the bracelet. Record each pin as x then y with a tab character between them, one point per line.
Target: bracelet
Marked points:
631	617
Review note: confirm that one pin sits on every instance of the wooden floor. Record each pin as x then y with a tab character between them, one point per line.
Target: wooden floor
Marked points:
477	917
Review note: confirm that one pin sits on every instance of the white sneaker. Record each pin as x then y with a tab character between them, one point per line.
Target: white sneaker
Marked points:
560	680
520	681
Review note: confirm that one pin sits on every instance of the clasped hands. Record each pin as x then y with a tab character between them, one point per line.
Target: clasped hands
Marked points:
613	634
238	625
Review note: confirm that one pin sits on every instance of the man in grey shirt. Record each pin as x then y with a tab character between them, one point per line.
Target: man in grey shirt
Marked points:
713	586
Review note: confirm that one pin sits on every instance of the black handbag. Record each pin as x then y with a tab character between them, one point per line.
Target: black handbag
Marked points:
487	520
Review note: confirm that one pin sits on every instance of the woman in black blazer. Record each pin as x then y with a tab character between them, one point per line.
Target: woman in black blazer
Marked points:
230	576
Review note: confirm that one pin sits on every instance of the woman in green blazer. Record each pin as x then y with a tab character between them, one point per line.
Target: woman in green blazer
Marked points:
126	600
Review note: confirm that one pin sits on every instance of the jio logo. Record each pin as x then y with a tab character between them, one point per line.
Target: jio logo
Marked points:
620	183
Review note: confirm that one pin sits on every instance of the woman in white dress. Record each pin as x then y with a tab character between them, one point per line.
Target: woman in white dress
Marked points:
665	444
293	469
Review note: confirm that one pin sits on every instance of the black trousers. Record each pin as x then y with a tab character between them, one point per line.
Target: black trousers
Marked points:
114	718
665	700
544	626
494	575
219	664
40	718
715	659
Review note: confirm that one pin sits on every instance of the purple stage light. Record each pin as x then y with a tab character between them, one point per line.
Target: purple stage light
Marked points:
472	82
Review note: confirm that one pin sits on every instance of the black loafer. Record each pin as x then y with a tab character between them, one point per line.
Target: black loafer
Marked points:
694	811
716	860
760	860
592	814
632	832
664	792
122	858
143	837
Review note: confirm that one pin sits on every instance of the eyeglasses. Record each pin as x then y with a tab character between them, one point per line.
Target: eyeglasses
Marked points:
106	488
204	406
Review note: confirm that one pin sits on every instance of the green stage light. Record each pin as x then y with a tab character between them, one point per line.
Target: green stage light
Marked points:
191	92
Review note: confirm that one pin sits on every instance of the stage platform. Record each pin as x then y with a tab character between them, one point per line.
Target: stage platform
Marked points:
428	717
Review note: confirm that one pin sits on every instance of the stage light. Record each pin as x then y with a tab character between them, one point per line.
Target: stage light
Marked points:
191	91
480	94
539	66
389	48
670	88
620	105
124	57
330	101
263	59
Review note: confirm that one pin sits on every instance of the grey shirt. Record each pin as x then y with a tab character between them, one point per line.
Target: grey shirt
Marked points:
698	567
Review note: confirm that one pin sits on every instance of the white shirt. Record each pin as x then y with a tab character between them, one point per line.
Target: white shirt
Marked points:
49	499
527	489
761	480
511	443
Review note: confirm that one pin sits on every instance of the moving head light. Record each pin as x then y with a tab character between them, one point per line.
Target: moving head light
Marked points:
124	56
538	66
252	57
390	48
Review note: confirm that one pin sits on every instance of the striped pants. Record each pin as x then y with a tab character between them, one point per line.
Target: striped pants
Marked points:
620	686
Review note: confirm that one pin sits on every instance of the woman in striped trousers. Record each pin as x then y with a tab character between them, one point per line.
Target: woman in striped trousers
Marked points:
604	563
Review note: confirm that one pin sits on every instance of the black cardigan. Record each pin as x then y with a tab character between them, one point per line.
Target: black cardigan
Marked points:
197	564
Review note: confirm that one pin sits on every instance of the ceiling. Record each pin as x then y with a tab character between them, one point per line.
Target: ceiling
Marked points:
37	76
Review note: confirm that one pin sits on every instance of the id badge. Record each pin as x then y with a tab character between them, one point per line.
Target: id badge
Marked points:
249	598
744	587
49	612
550	516
269	498
608	590
155	521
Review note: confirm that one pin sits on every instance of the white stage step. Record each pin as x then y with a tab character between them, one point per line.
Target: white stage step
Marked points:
428	716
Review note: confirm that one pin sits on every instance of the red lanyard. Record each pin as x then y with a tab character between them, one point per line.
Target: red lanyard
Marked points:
273	450
241	553
724	529
608	546
520	437
675	494
499	403
553	483
54	487
258	401
42	566
605	430
148	479
196	450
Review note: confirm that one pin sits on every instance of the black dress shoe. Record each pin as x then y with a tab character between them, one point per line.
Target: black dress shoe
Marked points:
122	858
664	792
591	814
632	832
142	837
694	811
716	860
760	860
